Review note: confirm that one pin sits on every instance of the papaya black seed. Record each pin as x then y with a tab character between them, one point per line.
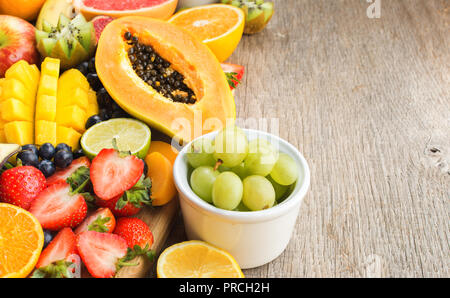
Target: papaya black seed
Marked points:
157	72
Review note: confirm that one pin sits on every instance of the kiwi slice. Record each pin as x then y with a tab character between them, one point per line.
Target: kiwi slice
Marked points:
257	13
71	41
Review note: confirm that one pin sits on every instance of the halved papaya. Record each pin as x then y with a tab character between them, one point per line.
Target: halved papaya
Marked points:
210	104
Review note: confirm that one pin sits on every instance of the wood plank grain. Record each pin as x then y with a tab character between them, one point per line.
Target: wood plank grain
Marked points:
367	102
160	220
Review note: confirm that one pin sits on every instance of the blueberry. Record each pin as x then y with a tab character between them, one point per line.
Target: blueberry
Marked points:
47	168
115	106
47	151
120	114
48	237
83	67
78	153
93	120
63	158
94	81
31	148
104	114
91	65
145	168
63	146
28	158
104	100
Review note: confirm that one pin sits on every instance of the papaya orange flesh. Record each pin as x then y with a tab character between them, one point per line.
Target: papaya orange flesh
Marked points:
190	57
161	173
165	149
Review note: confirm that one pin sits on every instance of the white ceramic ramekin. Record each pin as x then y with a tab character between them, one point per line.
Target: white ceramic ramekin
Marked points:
253	238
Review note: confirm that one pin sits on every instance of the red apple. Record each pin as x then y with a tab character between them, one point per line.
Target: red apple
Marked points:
17	42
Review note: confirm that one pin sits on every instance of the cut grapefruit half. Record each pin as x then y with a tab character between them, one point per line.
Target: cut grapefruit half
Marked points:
158	9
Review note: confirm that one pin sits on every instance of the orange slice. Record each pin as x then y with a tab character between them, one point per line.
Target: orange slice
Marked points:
21	241
197	259
219	26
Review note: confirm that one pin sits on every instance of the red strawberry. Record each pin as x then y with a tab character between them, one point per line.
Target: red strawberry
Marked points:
234	73
21	185
63	174
60	248
56	207
134	231
101	252
128	210
59	258
112	174
76	263
102	220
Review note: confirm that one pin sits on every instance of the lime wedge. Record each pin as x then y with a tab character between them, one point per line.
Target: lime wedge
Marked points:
131	135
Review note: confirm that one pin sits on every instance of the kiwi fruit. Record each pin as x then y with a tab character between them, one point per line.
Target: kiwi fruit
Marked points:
72	40
257	13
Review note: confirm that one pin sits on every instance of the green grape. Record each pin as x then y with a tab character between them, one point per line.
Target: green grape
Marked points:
201	153
280	190
242	208
285	171
202	180
258	193
240	171
261	158
231	146
227	191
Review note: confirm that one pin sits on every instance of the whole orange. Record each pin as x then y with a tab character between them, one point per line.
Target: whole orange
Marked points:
25	9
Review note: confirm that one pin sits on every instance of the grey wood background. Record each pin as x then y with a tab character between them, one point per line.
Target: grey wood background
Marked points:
367	101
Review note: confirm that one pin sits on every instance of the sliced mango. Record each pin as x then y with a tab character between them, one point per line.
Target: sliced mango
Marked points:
45	132
1	87
14	110
72	116
72	79
17	103
68	136
13	88
19	132
76	102
46	108
2	136
21	71
46	102
39	107
93	105
50	66
78	97
36	74
48	85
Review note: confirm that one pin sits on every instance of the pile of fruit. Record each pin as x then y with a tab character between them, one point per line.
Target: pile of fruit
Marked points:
42	107
236	174
81	83
84	210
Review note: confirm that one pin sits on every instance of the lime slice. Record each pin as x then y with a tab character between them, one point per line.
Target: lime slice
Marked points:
131	135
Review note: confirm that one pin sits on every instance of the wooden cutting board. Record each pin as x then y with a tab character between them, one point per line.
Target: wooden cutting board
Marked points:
160	220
